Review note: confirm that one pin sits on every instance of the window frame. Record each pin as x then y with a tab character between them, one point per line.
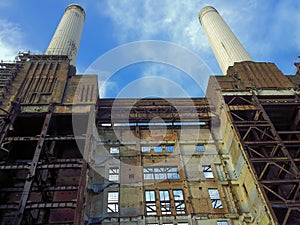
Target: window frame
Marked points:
165	202
150	204
207	171
170	148
222	222
200	148
215	198
112	174
113	202
114	150
179	203
161	173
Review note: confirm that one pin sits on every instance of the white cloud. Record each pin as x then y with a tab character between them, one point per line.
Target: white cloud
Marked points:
167	20
10	39
268	30
261	27
175	21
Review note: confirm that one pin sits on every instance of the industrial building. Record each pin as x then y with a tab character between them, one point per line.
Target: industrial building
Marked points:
229	158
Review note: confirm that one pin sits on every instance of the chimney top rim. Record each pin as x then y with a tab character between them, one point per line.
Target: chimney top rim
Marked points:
75	5
205	10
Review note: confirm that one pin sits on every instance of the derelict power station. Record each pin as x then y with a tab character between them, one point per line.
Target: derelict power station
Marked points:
230	158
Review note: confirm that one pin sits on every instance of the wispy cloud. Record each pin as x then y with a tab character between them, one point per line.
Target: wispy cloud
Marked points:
165	20
268	30
174	21
10	39
261	27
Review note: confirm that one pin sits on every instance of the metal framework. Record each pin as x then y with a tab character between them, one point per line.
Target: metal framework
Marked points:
143	110
38	186
268	127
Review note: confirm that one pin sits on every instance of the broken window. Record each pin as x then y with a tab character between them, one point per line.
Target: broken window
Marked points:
200	148
165	203
113	174
169	202
170	148
215	198
114	150
150	203
113	202
223	222
207	171
179	201
145	149
160	173
157	148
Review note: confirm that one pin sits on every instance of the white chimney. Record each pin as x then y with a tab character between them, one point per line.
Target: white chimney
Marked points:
66	38
225	45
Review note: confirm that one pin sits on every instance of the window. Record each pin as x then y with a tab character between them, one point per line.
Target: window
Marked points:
145	149
215	198
179	201
165	203
114	150
223	222
157	149
166	206
113	174
170	148
161	173
113	202
200	148
207	171
150	203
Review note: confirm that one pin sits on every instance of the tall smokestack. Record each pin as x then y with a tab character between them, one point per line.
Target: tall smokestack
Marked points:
225	45
66	38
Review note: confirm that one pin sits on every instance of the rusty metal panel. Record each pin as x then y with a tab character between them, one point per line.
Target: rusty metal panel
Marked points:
248	75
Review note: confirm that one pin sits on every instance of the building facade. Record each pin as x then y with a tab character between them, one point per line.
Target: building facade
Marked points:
70	157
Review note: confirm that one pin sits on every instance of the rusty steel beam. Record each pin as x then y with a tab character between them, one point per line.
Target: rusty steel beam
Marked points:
268	154
272	159
38	189
8	120
143	110
55	164
47	138
287	204
40	205
78	218
32	170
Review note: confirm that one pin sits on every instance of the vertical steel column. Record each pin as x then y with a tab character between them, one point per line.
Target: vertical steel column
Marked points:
32	171
78	220
9	120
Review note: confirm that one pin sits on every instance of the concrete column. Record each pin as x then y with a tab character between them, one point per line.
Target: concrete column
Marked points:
225	45
66	38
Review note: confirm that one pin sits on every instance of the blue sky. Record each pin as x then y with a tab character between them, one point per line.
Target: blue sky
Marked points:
268	30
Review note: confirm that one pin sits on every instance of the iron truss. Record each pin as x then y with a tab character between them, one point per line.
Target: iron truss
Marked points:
143	110
268	127
40	186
